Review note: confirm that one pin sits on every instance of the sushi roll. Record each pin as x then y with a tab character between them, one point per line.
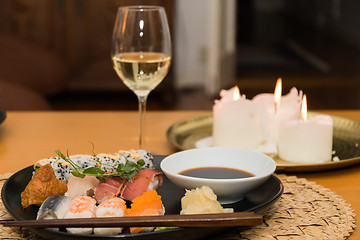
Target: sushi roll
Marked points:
147	157
54	207
145	180
63	169
109	162
135	155
148	204
112	207
81	207
84	160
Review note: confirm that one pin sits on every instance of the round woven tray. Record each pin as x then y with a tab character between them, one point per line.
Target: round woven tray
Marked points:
304	211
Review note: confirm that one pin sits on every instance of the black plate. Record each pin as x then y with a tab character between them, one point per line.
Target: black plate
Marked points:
257	200
2	116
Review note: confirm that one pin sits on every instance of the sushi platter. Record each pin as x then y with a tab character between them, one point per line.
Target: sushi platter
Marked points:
257	201
196	132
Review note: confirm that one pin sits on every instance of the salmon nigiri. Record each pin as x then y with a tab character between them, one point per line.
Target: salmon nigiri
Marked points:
81	207
145	180
148	204
112	207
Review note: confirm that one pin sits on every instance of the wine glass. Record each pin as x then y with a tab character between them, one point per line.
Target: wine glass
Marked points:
141	52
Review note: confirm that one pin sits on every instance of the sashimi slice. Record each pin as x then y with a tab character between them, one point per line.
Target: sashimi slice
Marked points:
112	207
145	180
148	204
81	186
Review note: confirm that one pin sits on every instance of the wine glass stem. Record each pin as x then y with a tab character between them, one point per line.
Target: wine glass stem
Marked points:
142	111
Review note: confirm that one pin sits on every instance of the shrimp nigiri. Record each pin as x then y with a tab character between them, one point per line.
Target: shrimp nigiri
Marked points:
81	207
148	204
112	207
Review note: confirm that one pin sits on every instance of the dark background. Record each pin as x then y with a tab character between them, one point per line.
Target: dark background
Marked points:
55	55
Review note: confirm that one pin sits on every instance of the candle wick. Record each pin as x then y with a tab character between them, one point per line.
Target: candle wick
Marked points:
276	107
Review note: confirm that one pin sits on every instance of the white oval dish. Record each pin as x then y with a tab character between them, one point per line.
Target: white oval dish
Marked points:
227	190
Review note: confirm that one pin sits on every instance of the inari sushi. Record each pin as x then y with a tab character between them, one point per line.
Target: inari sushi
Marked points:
148	204
112	207
81	207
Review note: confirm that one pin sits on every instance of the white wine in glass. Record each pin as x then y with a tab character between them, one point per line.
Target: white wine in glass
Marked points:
141	52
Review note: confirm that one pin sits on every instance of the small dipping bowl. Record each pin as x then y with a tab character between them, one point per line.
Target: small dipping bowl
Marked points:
231	190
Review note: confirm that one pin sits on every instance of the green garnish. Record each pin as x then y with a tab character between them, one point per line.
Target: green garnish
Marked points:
163	228
126	171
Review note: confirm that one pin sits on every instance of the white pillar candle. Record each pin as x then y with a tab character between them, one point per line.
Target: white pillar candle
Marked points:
236	122
275	115
306	141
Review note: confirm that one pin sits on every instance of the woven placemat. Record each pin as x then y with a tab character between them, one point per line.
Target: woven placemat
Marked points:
304	211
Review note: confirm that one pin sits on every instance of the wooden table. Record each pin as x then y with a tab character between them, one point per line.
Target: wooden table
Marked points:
26	137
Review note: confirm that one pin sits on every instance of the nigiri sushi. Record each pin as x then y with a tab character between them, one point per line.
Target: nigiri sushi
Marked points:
112	207
110	187
145	180
54	207
148	204
81	186
81	207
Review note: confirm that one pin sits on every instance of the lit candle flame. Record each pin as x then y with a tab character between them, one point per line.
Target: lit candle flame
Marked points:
304	108
236	95
277	94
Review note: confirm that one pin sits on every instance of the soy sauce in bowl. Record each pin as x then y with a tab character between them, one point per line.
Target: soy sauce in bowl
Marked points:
216	173
223	160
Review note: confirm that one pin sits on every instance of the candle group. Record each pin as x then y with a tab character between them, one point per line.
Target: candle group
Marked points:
272	124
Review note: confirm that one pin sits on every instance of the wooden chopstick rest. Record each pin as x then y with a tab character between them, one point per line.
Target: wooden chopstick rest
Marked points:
193	220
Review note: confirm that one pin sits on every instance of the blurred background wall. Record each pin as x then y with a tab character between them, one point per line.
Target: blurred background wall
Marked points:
55	54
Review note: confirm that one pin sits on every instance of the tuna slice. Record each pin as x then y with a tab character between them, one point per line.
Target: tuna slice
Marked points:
110	187
145	180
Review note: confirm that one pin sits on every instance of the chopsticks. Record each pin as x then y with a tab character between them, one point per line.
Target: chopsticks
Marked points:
193	220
